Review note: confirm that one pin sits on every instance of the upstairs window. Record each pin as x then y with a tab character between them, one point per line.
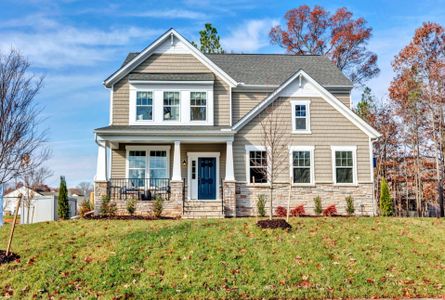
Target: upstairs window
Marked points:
144	106
198	106
300	116
171	106
257	166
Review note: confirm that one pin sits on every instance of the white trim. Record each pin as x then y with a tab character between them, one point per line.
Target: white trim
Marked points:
307	103
111	103
354	164
331	99
194	156
147	149
230	173
250	148
170	82
371	165
131	65
177	175
312	166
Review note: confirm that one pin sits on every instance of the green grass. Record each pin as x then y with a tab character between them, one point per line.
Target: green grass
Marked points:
231	258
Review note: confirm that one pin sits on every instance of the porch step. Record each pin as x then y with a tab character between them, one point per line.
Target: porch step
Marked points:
203	209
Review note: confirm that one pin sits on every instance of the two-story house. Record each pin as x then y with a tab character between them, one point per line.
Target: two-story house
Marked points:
187	126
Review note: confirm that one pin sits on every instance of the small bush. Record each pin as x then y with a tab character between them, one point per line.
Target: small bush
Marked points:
85	206
261	205
107	208
158	206
386	208
317	205
350	205
280	211
330	211
131	206
297	211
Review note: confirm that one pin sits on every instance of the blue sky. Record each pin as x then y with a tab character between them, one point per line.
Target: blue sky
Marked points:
77	44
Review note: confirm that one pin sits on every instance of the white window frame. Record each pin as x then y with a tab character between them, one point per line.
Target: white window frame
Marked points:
152	107
206	106
307	103
311	151
179	106
158	89
147	150
353	149
133	102
250	148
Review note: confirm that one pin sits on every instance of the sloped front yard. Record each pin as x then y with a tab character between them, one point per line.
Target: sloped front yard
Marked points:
319	257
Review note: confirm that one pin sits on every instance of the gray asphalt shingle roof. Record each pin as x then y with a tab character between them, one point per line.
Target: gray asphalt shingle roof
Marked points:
172	76
274	69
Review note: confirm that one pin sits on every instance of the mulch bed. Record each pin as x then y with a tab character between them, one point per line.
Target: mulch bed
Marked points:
125	217
6	259
274	224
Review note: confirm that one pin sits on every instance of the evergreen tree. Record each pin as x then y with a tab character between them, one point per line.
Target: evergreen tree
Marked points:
366	107
209	40
386	205
63	207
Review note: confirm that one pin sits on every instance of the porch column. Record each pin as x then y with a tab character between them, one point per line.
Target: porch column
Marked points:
229	162
177	162
101	169
229	185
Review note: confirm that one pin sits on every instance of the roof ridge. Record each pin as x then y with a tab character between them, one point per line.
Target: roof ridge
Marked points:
272	54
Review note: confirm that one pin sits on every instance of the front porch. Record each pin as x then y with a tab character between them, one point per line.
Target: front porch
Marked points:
195	179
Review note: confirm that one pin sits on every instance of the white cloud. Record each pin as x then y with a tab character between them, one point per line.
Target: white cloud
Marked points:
170	14
54	45
250	36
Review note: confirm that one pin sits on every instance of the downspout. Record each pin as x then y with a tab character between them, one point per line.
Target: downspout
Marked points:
371	159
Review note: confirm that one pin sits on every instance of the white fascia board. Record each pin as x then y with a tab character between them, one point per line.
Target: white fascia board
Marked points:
331	99
149	50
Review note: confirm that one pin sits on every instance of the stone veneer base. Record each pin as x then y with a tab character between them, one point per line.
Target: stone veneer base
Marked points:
247	195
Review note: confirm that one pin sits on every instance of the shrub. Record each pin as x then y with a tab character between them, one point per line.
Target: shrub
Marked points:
85	206
158	206
261	205
297	211
131	206
317	205
386	208
330	210
107	208
63	205
350	205
280	211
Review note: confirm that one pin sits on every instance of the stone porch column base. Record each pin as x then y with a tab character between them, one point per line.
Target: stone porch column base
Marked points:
100	190
229	198
177	194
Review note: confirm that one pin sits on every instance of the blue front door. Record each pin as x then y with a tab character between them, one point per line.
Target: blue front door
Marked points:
207	178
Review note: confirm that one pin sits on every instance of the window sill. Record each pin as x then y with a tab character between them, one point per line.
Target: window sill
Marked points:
346	184
301	132
258	184
303	184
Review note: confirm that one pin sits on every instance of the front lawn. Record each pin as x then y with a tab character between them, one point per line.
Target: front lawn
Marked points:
231	258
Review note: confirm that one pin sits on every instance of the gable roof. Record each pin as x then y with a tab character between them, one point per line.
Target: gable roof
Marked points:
331	99
274	69
133	62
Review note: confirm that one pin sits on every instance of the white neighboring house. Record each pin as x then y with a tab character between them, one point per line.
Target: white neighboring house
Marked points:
10	199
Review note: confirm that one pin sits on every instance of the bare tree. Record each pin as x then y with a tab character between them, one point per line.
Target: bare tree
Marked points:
22	145
86	188
273	134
